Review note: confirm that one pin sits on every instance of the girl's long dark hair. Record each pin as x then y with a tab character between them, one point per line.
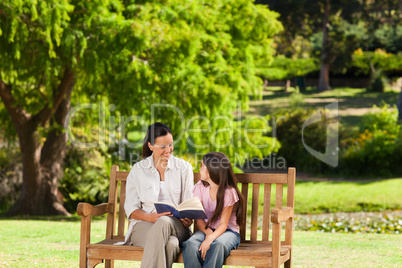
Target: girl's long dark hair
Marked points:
154	131
221	173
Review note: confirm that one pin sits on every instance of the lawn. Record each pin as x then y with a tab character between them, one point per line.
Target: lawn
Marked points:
55	243
353	102
345	196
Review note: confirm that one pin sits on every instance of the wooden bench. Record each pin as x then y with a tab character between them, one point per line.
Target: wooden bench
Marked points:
256	248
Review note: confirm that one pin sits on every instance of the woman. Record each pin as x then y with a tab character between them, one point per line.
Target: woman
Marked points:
160	176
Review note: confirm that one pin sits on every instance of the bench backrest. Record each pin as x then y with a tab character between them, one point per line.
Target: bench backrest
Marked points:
251	185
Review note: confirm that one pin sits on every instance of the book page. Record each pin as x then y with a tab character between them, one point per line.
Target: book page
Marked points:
191	204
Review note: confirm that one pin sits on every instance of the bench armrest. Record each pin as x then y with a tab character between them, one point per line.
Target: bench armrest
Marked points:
85	209
281	215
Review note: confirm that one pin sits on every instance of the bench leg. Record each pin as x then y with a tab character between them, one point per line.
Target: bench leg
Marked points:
109	263
288	263
93	262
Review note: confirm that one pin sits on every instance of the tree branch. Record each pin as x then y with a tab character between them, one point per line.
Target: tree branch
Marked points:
17	113
46	113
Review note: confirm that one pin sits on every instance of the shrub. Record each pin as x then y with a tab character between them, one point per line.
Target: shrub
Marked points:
376	147
86	176
378	81
289	133
384	119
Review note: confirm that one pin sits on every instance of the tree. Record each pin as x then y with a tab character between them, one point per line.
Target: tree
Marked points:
327	18
196	56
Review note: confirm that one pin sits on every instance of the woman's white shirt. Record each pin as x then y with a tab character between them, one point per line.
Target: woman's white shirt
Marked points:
143	186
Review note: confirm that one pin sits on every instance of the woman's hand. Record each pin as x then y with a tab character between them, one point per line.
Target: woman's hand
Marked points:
153	217
186	222
205	246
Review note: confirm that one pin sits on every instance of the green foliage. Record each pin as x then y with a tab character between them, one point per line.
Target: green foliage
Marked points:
286	68
365	61
376	148
85	178
289	133
195	58
296	100
378	81
389	37
383	118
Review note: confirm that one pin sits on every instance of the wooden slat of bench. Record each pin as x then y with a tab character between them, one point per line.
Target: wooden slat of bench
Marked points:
279	196
244	192
266	212
111	217
254	212
122	214
241	177
262	178
122	175
290	203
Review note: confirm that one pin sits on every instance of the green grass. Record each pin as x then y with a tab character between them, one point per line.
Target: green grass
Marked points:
334	196
344	196
353	102
55	243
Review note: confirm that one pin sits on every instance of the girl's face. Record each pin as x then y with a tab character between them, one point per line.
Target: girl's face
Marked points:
204	173
162	148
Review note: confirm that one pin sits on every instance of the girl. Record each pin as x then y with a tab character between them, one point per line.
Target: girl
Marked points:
224	206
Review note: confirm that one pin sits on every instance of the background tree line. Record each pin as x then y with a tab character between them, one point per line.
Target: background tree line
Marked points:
358	37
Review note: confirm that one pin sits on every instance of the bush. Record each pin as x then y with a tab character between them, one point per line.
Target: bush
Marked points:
384	119
86	176
289	134
378	82
377	146
286	68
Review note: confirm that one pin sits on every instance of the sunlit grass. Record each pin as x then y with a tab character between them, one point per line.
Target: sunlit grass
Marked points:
55	243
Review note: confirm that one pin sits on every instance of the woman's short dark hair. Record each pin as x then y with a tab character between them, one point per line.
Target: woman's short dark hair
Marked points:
154	131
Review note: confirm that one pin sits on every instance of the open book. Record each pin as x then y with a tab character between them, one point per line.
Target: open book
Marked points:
191	208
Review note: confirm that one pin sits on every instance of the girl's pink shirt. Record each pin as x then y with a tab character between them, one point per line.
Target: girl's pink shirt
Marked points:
202	192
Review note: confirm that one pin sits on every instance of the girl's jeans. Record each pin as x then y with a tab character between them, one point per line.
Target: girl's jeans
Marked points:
216	254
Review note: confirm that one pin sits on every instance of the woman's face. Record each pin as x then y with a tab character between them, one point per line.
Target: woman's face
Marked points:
162	148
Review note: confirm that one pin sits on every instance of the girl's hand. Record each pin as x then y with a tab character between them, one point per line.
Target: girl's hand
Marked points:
205	246
208	231
153	217
186	222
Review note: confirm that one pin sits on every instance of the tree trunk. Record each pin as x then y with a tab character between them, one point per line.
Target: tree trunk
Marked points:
41	163
39	191
323	83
